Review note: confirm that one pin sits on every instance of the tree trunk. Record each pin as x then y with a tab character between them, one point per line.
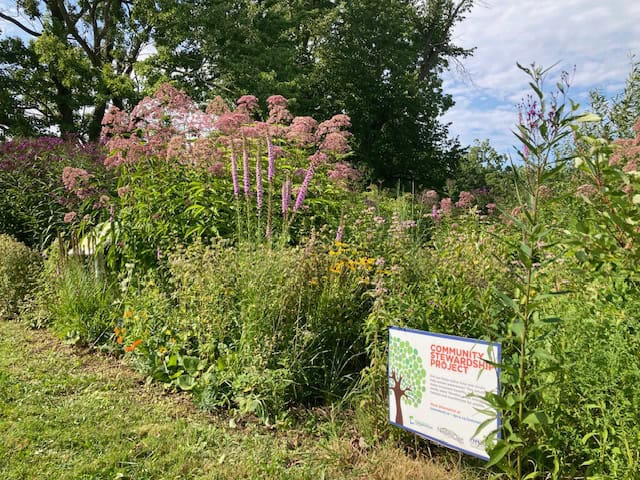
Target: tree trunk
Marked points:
96	122
65	111
398	393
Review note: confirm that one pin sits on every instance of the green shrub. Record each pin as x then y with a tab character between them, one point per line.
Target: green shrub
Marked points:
269	326
19	267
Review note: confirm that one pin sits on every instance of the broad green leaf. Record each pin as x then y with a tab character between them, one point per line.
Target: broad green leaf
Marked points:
497	453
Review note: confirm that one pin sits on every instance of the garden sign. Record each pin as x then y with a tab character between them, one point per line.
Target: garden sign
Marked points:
436	387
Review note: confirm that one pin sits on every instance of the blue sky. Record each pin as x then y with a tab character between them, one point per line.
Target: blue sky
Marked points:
596	37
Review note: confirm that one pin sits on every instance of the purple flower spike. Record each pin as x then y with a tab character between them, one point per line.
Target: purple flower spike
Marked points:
434	214
304	187
234	173
259	194
245	169
271	157
286	196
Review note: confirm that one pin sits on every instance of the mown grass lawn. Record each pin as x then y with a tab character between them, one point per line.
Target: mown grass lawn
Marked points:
65	414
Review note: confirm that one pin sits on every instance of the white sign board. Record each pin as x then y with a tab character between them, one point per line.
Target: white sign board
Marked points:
436	385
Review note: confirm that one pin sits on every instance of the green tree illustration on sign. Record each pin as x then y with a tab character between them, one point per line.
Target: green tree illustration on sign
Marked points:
407	375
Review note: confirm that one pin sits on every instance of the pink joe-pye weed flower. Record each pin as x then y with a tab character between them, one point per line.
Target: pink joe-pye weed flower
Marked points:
429	198
73	178
302	131
446	206
344	174
247	103
465	200
335	143
230	122
70	217
217	106
336	124
278	113
216	169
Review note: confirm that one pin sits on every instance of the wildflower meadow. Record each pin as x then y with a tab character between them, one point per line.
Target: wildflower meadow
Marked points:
233	250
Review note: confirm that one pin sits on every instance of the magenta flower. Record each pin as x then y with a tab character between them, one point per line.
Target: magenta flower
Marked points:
339	233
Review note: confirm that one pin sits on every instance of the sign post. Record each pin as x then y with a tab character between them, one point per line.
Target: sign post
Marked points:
436	385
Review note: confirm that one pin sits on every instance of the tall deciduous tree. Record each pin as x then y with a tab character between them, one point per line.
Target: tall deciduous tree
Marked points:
78	59
379	61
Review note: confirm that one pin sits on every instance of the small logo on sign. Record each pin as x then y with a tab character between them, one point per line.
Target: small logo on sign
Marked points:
451	434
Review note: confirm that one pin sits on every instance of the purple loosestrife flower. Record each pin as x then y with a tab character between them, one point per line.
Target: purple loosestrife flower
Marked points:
259	180
245	168
302	193
434	213
234	171
286	196
271	159
339	233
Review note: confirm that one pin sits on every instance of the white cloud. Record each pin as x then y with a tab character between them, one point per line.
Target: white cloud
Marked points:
593	36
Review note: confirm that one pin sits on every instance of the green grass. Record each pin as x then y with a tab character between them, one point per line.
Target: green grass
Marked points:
68	414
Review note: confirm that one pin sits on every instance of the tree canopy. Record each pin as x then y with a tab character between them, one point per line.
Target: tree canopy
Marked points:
78	59
379	61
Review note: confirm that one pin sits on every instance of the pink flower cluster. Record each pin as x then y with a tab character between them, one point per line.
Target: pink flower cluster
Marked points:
76	180
465	200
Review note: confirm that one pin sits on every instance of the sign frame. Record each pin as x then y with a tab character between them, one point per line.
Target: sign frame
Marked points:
497	346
